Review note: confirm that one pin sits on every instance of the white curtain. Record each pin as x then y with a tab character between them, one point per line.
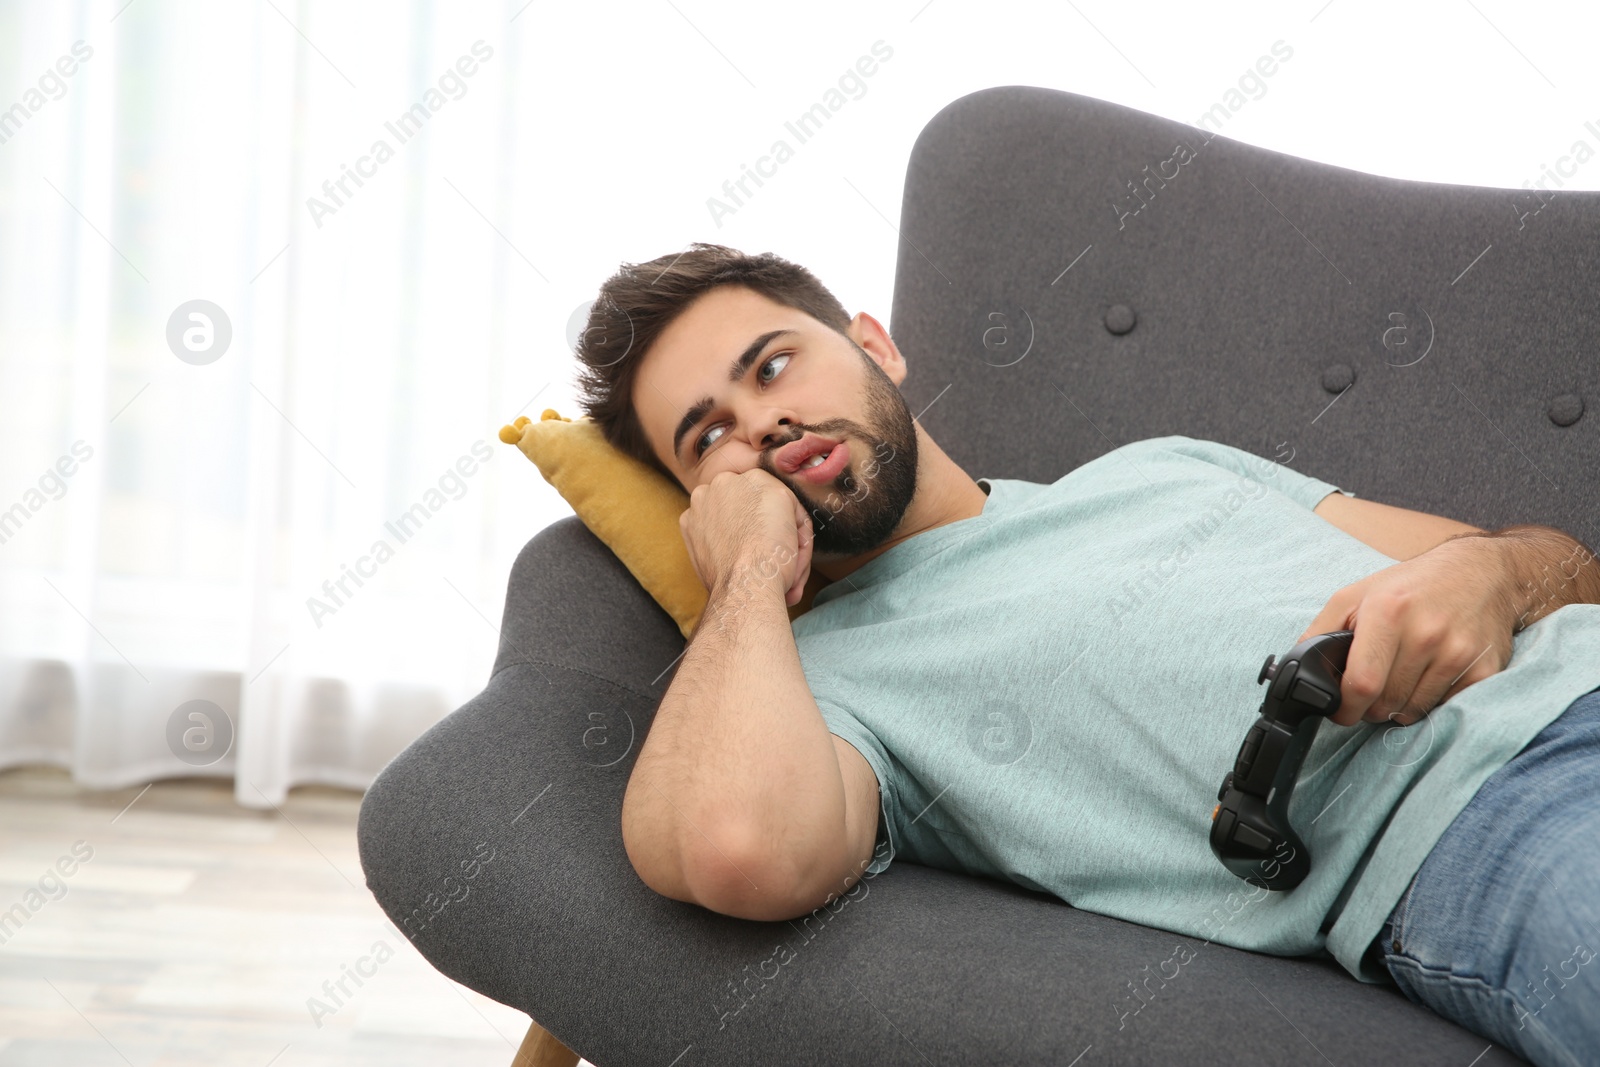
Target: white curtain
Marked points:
296	542
381	332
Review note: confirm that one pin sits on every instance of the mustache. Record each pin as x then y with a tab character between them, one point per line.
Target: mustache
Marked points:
829	427
835	429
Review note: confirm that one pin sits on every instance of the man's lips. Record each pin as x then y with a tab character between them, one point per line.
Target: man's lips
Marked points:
792	458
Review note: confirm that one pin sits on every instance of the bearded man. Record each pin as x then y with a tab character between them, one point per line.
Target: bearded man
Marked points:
1043	683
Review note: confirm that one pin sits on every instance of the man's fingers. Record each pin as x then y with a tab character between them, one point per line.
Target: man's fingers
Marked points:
1444	678
1485	661
1366	672
688	543
797	587
1336	615
1403	692
1427	694
1451	671
802	566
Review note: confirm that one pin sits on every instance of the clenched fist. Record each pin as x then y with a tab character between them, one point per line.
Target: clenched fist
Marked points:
748	530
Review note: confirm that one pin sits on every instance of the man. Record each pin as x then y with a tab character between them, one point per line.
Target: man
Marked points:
1044	683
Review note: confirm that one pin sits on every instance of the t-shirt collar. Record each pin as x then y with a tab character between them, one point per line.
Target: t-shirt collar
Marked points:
914	550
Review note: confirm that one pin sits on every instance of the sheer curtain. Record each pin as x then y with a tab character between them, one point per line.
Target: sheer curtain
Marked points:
282	558
262	280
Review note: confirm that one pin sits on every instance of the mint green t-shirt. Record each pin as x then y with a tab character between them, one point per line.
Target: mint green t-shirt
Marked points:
1051	692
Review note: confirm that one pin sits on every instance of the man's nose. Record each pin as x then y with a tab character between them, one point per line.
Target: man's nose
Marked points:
775	428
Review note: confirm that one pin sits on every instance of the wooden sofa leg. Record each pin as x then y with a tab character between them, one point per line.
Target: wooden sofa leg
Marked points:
539	1049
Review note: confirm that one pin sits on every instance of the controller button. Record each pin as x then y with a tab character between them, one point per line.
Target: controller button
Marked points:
1286	674
1248	750
1313	696
1268	669
1222	829
1248	836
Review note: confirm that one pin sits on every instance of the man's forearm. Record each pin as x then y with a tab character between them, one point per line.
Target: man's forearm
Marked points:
1544	570
738	768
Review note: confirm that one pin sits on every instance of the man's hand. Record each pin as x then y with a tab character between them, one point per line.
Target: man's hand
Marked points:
748	529
1425	629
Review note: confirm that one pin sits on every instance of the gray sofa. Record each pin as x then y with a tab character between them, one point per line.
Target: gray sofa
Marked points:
1046	321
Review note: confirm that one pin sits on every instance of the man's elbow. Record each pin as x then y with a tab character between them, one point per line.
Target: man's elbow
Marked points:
737	874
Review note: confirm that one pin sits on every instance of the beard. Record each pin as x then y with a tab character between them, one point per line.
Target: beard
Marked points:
861	507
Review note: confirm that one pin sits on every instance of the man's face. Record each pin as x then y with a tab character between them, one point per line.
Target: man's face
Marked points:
801	387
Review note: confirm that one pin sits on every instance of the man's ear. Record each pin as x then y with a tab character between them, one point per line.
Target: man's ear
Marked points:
869	333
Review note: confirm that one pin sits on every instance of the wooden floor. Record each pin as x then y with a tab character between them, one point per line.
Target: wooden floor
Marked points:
198	932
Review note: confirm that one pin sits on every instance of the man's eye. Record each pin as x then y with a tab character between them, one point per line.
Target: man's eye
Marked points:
773	362
700	444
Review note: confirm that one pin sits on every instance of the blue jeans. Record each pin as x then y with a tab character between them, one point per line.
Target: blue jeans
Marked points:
1500	929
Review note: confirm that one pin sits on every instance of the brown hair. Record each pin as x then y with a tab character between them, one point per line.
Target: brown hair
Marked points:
639	301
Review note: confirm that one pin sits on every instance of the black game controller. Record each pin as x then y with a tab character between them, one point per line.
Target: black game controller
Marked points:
1250	831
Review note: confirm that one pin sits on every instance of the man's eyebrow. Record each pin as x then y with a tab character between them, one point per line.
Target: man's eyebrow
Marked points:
736	372
696	412
752	352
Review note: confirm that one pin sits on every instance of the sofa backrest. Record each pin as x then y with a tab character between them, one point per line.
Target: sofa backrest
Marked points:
1074	275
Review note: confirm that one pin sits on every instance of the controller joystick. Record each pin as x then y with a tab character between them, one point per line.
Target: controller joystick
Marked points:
1250	831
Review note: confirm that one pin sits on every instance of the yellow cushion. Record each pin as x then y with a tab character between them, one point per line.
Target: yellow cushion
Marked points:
631	507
